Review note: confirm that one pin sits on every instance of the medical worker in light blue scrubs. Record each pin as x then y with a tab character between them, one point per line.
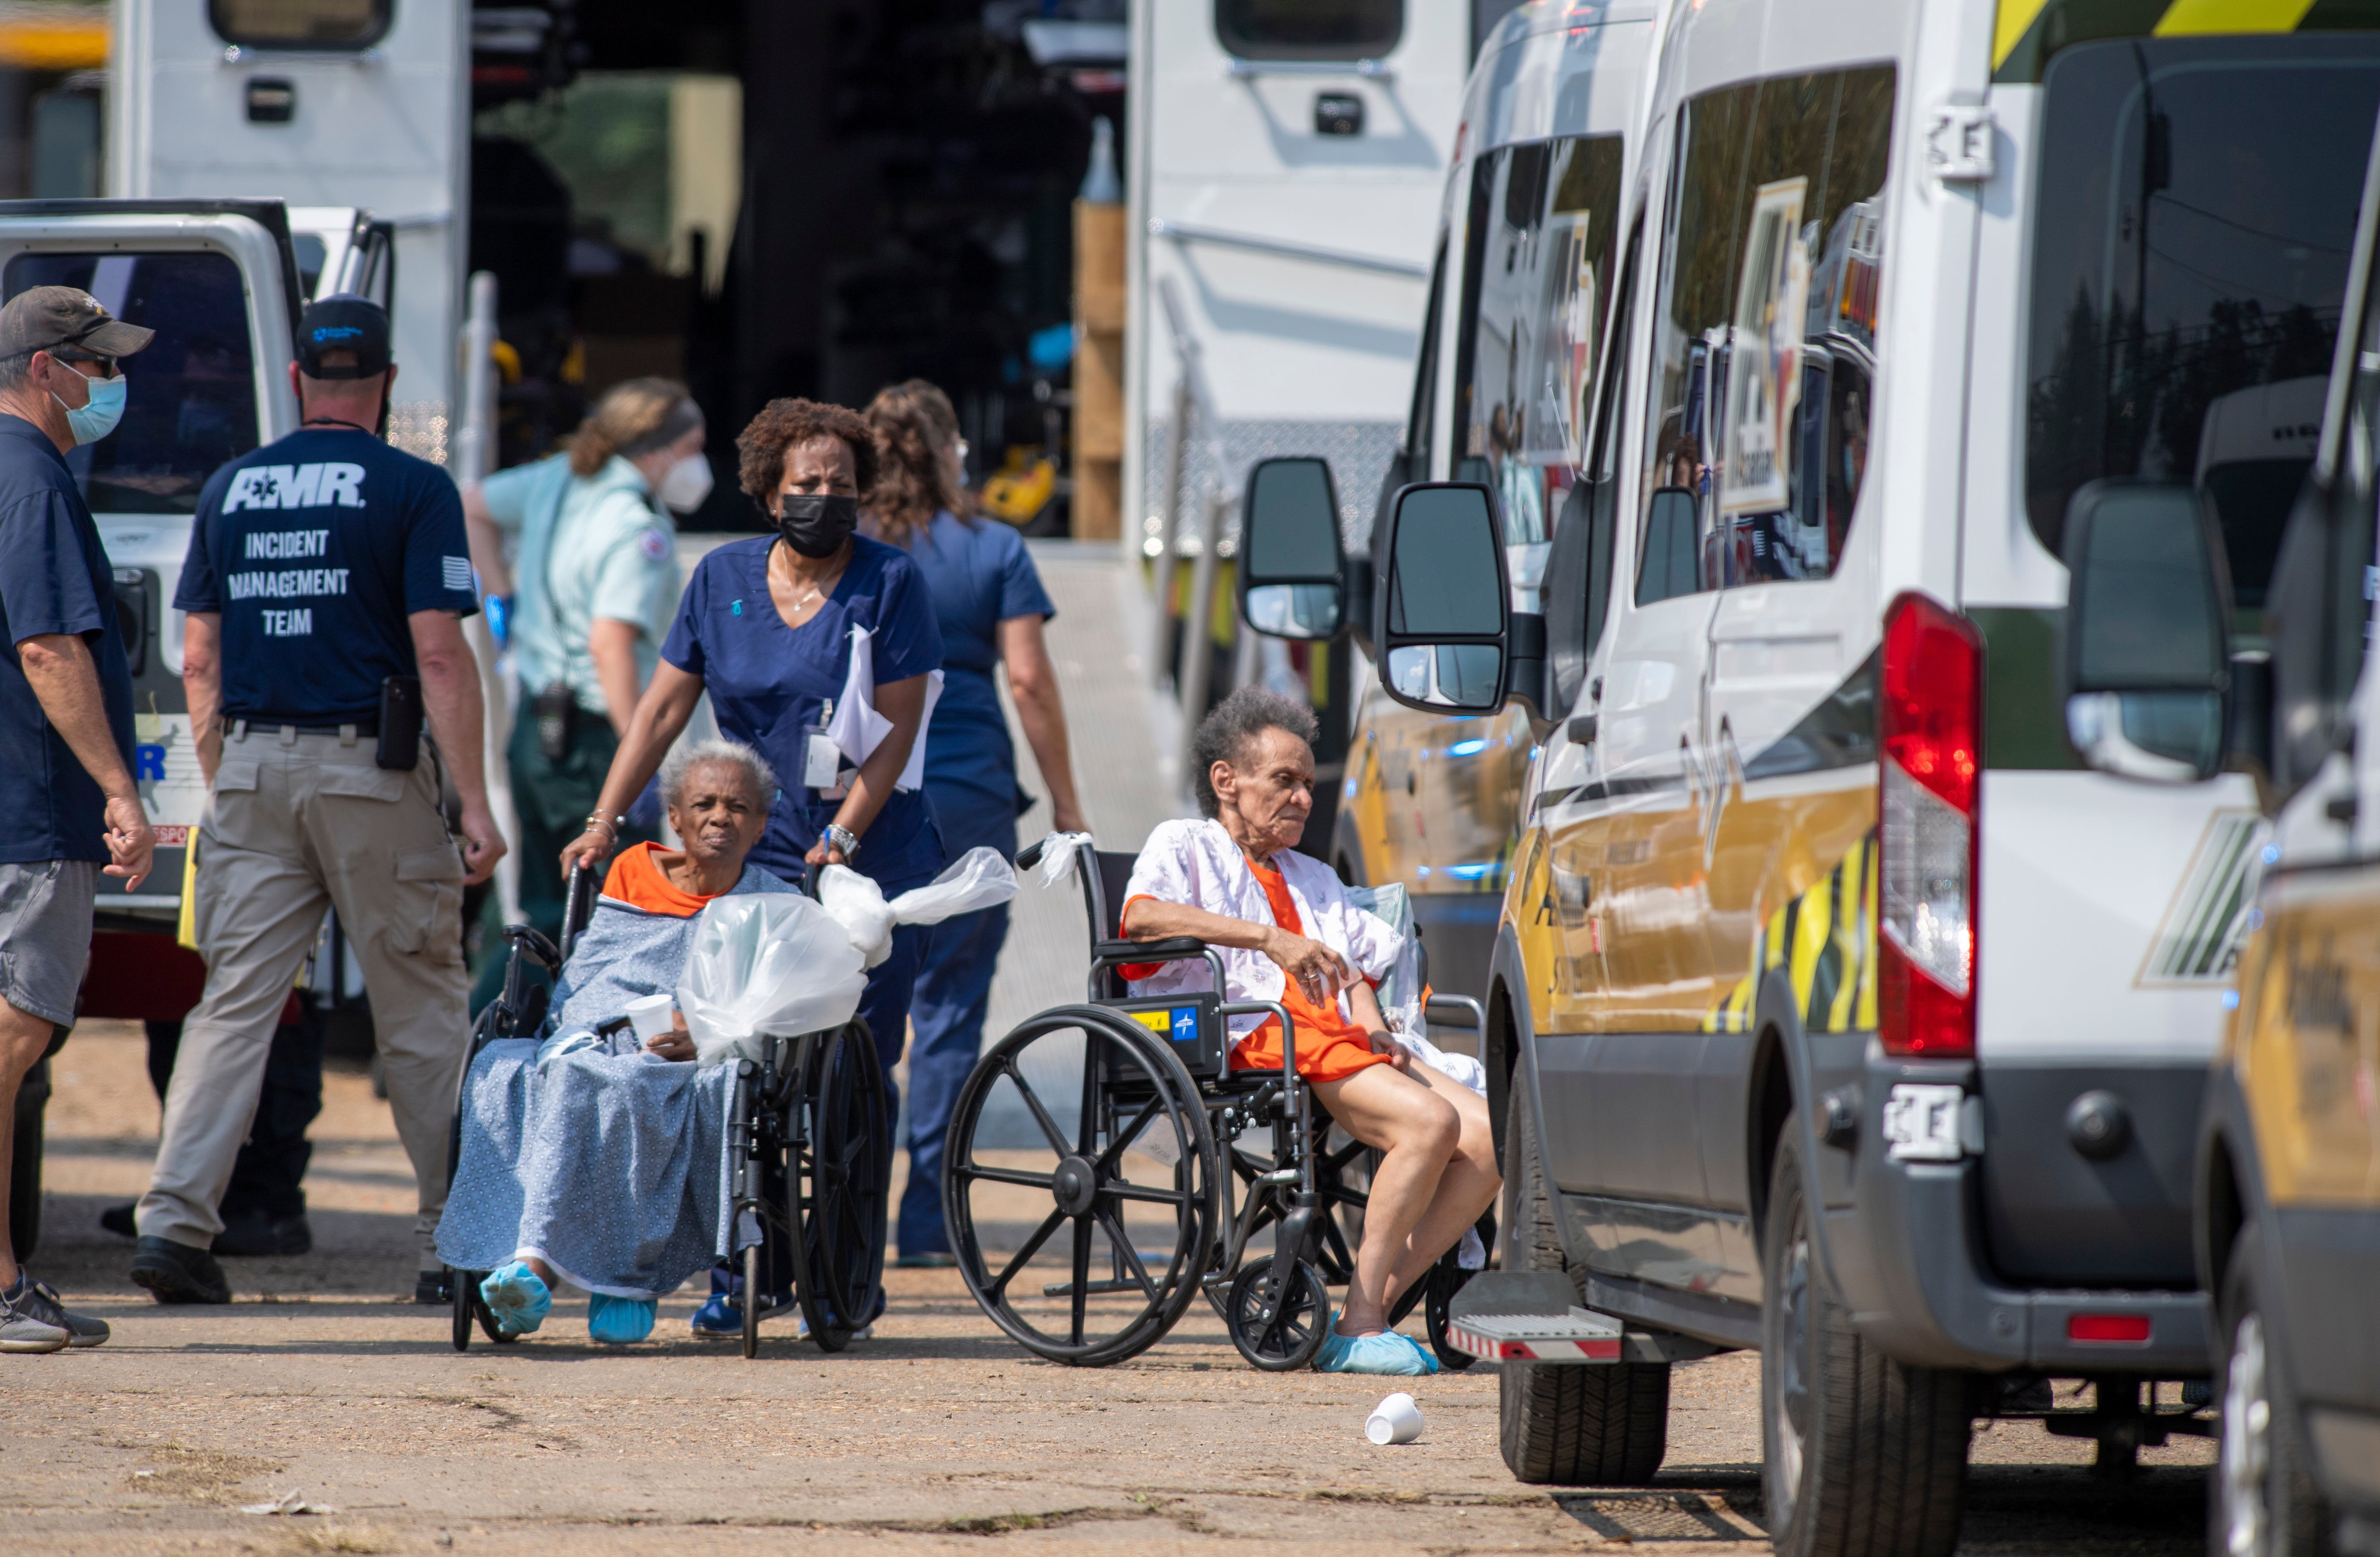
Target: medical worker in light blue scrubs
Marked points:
765	629
990	605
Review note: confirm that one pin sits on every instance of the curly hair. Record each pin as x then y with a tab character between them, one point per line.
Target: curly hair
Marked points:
1225	735
783	425
634	416
914	423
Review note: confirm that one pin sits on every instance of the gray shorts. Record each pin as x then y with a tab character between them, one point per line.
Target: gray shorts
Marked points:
45	908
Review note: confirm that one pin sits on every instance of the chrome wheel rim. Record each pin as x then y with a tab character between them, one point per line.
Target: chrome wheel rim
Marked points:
2246	1454
1790	1414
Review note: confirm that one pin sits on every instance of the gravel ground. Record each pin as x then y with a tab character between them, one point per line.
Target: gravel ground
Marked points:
936	1435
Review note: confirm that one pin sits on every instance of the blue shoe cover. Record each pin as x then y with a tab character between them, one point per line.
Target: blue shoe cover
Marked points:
1387	1353
1430	1363
717	1320
620	1321
516	1297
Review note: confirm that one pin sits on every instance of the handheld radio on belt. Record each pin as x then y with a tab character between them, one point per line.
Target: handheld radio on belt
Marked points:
400	722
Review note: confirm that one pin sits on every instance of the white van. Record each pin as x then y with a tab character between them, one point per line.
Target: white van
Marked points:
1840	1006
1528	251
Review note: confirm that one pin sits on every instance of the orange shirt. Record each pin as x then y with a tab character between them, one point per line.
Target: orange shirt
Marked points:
1330	1047
637	880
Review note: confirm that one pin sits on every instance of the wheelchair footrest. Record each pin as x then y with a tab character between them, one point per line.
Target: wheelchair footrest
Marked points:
1529	1316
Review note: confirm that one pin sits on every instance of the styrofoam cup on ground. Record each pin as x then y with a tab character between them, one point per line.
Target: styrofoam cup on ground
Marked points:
649	1017
1395	1420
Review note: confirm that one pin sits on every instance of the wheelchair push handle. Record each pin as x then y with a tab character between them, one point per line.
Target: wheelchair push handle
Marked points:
1031	856
579	906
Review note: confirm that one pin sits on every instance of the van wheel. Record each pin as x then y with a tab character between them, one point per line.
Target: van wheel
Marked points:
2260	1502
1569	1424
1864	1457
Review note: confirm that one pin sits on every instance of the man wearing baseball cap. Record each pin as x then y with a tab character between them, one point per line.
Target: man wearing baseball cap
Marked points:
68	810
325	584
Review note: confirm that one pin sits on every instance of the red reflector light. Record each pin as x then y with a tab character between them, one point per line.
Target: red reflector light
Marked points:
1930	724
2123	1328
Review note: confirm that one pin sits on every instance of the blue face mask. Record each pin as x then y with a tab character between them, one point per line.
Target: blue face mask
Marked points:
95	421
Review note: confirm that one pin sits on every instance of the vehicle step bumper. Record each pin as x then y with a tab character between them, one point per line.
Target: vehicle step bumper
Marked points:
1529	1316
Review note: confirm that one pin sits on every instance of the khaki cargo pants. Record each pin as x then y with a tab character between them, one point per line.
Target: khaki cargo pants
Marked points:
299	823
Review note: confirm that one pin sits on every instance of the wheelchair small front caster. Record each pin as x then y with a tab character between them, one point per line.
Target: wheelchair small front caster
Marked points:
1284	1337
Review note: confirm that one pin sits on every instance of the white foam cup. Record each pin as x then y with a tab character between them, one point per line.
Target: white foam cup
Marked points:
649	1017
1395	1420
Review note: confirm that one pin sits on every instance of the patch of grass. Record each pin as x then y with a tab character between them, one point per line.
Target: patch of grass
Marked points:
202	1475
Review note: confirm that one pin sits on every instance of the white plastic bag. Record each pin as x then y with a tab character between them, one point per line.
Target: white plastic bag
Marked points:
772	962
980	879
1060	853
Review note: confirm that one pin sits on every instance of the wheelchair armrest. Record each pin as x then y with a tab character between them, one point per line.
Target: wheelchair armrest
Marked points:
1457	1011
534	945
1173	948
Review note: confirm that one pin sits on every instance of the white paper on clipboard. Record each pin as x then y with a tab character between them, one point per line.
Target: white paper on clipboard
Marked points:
1763	374
857	729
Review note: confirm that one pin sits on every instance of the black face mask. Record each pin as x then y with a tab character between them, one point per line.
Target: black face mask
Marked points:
815	523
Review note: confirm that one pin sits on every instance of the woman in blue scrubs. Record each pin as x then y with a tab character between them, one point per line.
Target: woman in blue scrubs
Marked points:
765	626
991	604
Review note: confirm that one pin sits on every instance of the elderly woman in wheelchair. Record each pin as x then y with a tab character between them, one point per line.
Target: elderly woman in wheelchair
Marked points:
1286	932
586	1155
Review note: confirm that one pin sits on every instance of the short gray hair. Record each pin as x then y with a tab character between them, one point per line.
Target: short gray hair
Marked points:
691	754
1225	735
14	370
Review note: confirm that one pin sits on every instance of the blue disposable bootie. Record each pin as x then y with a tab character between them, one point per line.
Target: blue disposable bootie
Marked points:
619	1321
1387	1353
515	1296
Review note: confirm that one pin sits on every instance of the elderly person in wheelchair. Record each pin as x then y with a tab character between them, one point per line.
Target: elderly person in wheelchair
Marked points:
588	1156
1287	932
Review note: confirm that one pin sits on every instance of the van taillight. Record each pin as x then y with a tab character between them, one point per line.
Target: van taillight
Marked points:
1931	723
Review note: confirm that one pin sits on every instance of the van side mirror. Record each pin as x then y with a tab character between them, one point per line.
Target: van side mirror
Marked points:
1292	570
2147	660
1443	613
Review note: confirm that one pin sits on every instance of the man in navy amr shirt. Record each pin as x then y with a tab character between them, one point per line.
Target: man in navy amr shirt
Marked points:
325	584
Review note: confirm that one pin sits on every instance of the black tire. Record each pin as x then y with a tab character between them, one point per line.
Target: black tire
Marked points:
2262	1500
465	1284
1445	1279
1569	1424
1142	1087
751	1300
1283	1339
1863	1456
843	1172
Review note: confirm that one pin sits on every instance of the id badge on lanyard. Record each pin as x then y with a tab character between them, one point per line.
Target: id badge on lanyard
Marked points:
822	764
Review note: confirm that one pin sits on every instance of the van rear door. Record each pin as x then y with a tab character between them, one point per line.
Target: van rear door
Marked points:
217	281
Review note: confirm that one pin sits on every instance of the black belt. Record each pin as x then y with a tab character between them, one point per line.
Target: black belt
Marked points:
368	725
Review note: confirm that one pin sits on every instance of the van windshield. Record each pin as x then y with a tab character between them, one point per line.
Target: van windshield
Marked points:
2197	206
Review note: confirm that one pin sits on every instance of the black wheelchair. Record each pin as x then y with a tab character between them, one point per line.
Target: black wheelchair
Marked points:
1227	1156
809	1142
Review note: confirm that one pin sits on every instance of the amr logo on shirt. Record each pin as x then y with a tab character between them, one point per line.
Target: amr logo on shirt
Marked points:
296	486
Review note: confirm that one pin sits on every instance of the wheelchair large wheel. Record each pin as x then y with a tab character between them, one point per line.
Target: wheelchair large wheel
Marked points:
843	1175
1014	1176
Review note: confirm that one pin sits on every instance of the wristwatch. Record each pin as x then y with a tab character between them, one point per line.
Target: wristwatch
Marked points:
838	836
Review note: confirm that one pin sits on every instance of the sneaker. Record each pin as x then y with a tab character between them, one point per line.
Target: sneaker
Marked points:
1387	1353
517	1296
620	1321
718	1319
30	1321
85	1330
118	1219
435	1287
258	1236
177	1273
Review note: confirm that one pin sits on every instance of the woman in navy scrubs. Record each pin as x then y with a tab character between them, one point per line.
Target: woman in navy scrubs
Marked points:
765	629
991	604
